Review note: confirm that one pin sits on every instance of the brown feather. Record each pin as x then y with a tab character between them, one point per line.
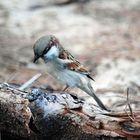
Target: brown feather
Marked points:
63	55
74	65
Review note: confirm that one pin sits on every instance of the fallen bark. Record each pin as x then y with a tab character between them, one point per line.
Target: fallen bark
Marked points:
59	116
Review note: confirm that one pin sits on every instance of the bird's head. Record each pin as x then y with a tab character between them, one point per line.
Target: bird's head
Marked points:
46	47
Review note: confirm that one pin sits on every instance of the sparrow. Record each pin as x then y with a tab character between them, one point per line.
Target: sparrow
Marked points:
63	66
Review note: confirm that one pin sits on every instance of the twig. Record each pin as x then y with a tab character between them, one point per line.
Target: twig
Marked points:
128	104
29	82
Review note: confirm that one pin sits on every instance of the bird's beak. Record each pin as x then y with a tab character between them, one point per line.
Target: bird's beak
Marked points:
35	58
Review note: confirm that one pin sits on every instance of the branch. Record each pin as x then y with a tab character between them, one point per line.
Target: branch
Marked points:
61	116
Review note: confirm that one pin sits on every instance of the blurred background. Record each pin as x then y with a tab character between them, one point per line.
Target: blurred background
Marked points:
103	34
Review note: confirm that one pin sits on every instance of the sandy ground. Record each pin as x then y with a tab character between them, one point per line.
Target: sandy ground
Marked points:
103	34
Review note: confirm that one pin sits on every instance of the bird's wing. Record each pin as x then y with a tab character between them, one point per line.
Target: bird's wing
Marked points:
72	64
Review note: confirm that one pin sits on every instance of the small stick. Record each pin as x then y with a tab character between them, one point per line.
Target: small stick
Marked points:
29	82
128	104
131	111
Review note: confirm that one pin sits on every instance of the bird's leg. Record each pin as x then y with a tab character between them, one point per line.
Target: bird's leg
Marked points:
66	88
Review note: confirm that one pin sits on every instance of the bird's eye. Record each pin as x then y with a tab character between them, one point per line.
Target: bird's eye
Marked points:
45	51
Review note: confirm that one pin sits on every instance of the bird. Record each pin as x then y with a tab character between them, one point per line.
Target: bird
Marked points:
63	66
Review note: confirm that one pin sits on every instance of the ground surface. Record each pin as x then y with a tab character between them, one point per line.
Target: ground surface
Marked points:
103	34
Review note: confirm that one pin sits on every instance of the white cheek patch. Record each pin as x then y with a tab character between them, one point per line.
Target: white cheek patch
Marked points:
53	52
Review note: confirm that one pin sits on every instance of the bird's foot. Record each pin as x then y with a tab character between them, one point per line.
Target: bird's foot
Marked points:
66	88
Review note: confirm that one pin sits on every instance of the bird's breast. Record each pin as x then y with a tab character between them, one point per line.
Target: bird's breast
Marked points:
54	69
66	76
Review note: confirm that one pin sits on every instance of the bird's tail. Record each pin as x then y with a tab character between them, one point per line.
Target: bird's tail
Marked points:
89	90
